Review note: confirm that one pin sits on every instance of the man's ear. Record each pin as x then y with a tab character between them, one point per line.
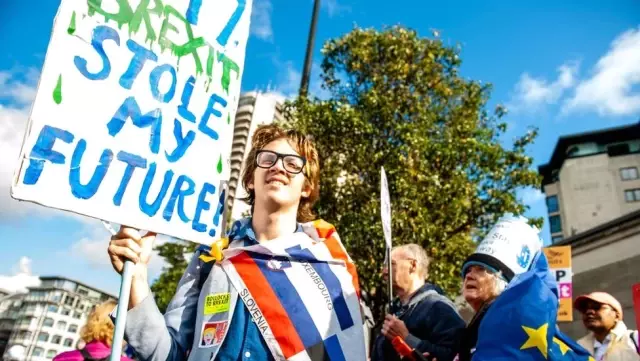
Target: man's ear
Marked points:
306	190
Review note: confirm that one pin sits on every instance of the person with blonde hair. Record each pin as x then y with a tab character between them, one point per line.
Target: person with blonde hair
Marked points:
250	303
97	335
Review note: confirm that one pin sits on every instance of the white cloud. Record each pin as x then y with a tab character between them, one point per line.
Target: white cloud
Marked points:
92	249
531	196
532	93
17	92
261	20
289	77
609	90
21	279
333	8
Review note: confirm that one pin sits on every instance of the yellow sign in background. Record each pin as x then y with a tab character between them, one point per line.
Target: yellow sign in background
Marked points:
559	259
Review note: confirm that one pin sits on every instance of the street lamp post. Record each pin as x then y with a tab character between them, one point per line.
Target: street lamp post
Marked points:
308	58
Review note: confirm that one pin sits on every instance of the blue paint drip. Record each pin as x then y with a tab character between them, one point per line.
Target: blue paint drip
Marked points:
130	109
203	126
86	191
203	205
133	161
154	82
182	143
152	209
186	99
226	32
193	11
140	56
43	150
178	195
100	34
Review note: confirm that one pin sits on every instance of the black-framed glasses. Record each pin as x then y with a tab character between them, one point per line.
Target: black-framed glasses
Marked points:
292	163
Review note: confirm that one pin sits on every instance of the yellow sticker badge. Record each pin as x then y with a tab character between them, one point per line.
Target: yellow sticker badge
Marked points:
216	303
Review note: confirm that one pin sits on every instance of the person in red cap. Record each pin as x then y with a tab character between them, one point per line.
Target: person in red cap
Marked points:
609	339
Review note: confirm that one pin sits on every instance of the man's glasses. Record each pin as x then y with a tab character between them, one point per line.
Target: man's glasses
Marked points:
292	163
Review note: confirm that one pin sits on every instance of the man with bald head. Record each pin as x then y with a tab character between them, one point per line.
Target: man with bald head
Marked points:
421	315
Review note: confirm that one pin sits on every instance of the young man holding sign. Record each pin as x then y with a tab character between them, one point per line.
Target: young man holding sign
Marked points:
295	281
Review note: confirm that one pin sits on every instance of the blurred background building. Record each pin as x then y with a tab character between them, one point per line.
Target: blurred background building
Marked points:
592	187
46	320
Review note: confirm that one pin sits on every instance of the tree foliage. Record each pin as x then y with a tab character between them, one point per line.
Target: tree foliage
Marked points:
164	287
398	100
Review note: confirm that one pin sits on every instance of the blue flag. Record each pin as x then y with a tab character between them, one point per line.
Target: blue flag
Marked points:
521	323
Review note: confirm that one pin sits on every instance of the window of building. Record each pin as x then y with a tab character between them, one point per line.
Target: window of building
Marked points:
66	311
552	204
77	315
43	336
69	301
53	308
73	328
25	321
61	325
31	307
555	239
632	195
38	352
618	149
56	339
68	342
629	173
56	296
555	224
48	322
51	354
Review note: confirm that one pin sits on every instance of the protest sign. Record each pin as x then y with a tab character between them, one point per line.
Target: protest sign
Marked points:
385	207
559	259
132	121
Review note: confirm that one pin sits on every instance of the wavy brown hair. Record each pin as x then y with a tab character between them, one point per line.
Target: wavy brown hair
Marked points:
266	134
99	326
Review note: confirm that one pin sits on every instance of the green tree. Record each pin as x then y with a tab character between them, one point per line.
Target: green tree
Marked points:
397	100
164	287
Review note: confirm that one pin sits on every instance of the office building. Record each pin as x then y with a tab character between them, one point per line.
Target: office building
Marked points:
254	109
47	319
591	179
605	258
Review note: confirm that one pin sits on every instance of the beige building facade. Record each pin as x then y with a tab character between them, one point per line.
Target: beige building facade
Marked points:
592	178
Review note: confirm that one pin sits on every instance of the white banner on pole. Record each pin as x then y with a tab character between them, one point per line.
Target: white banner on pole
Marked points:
385	207
133	118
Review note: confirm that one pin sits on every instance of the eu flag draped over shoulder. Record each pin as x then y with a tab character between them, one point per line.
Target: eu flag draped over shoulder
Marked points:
521	323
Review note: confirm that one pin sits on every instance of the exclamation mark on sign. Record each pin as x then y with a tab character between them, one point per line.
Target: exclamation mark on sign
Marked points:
57	92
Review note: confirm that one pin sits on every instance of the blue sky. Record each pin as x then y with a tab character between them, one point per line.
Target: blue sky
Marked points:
565	67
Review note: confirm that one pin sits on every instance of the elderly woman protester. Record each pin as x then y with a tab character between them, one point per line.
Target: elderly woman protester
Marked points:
505	252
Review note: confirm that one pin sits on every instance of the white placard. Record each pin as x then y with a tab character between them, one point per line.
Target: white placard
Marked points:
385	207
133	119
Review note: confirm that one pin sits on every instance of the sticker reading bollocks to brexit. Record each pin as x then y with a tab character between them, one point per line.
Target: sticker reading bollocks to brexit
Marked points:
133	118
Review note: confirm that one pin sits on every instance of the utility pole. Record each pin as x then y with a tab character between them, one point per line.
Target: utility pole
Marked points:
308	58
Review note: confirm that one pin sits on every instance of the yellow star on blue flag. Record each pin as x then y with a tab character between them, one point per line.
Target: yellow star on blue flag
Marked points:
537	338
521	322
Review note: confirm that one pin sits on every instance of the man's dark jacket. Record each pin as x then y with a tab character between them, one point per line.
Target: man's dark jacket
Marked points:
433	322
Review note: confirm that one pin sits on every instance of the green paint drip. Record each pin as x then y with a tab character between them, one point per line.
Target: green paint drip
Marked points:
228	118
57	92
72	24
220	164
